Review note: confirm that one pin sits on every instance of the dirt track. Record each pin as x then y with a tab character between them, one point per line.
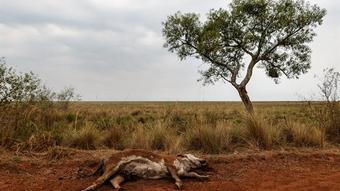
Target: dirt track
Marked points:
312	170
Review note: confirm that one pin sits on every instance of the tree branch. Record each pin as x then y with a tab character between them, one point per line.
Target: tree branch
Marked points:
279	43
208	57
230	81
244	49
249	73
278	67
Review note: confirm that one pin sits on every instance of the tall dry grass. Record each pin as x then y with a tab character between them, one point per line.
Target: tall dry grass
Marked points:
259	132
298	134
212	127
209	139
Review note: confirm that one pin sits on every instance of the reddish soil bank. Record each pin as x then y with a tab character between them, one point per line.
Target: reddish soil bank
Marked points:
309	170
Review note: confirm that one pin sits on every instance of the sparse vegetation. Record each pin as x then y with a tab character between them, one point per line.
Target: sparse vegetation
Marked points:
49	120
209	127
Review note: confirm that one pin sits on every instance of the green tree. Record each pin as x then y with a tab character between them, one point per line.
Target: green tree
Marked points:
27	87
16	87
271	34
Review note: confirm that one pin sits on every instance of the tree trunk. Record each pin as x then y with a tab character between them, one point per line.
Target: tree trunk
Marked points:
245	99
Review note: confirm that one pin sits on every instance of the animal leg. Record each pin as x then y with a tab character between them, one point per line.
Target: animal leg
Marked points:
99	169
101	180
116	181
174	175
195	175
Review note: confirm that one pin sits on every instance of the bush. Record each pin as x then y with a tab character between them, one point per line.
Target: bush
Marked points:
326	114
28	111
17	87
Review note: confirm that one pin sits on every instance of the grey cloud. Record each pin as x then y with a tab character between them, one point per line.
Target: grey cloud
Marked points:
112	49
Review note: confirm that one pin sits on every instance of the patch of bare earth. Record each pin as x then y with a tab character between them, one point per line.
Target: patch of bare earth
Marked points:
308	170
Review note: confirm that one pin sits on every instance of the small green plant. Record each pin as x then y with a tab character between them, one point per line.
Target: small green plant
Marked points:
18	87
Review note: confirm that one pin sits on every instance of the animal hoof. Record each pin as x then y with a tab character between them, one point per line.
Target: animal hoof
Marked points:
179	185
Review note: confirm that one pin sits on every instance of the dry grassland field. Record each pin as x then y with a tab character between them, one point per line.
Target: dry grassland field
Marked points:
54	138
286	146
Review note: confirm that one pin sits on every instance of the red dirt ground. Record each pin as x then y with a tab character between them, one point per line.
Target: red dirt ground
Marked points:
308	170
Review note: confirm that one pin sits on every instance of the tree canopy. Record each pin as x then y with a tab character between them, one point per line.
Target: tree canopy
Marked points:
17	87
271	34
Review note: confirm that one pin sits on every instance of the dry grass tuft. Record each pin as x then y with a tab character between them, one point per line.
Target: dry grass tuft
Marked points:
161	138
303	135
259	132
57	153
138	139
211	140
115	138
41	141
85	138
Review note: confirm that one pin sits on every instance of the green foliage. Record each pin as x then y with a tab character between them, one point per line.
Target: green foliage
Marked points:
274	34
30	112
65	96
17	87
271	34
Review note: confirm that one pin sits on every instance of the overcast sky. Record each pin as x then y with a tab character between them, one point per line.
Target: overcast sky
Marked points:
112	50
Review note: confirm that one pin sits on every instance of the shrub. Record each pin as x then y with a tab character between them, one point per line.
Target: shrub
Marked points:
18	87
327	114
